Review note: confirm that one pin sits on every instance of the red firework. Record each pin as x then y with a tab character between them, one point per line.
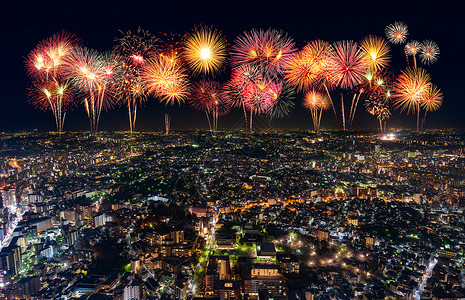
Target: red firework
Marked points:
347	66
271	50
208	96
49	57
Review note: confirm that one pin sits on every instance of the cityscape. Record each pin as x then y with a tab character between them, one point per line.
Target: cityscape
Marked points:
272	215
231	150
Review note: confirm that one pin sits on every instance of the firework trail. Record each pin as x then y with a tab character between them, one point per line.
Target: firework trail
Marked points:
208	96
46	64
316	102
96	76
134	49
410	90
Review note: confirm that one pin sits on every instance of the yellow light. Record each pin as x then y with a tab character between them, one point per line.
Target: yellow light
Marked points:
205	53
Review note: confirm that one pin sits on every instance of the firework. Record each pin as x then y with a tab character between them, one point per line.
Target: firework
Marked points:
95	75
208	96
205	50
49	57
46	64
410	90
432	99
51	95
412	48
346	69
316	102
260	97
347	66
376	52
284	103
166	80
378	108
171	47
271	50
134	49
397	32
429	52
307	68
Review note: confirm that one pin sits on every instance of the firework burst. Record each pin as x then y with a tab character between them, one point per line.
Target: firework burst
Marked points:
397	32
376	52
410	89
205	50
166	80
284	102
134	49
308	67
49	57
271	50
378	108
347	66
432	99
171	47
429	52
208	96
316	102
46	64
95	75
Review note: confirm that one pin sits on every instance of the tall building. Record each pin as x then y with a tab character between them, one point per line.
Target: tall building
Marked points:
263	278
8	197
218	269
133	291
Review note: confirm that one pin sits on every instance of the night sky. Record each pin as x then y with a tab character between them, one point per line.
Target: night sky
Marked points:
23	25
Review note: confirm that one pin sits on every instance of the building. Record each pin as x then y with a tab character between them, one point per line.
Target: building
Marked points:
288	263
133	291
263	278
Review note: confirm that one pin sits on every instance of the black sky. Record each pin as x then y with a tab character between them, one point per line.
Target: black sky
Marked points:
23	24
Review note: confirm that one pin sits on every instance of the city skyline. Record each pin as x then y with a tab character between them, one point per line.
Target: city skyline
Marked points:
358	22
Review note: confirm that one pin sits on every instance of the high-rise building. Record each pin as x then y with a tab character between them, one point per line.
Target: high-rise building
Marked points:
8	197
263	277
133	291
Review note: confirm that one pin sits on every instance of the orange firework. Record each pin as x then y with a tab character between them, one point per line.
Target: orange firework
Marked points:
316	103
410	90
432	99
376	52
307	68
205	50
166	80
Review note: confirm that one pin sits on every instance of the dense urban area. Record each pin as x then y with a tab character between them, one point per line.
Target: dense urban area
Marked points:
267	215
